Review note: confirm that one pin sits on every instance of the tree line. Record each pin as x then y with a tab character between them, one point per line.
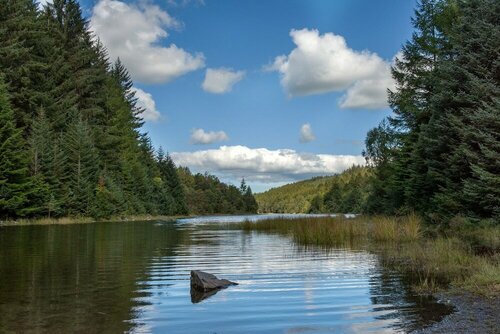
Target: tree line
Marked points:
70	129
439	154
341	193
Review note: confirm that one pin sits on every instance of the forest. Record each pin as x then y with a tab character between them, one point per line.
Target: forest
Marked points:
346	192
71	142
438	154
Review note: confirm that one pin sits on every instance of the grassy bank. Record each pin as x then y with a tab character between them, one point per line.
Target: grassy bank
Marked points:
82	220
465	258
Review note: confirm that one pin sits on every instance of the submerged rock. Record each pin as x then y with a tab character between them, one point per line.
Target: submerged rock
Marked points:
205	282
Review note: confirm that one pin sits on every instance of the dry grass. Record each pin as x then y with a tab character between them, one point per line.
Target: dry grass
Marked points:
442	262
81	220
334	230
431	263
406	228
385	229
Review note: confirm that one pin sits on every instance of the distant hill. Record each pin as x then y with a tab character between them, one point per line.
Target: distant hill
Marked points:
344	192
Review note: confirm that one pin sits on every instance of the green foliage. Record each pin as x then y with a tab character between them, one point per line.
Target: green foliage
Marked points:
15	183
345	192
439	154
71	128
208	195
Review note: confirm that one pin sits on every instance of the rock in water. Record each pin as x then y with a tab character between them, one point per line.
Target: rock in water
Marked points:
206	282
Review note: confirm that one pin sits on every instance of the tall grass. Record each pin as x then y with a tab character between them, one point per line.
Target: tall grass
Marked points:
333	230
406	228
432	263
322	231
443	262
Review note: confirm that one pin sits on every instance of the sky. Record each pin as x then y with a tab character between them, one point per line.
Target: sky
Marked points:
274	91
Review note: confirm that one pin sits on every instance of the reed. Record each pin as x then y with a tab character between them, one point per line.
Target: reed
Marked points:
444	262
410	227
384	228
448	260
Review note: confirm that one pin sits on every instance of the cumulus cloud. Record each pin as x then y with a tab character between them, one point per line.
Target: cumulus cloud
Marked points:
264	165
324	63
146	102
306	133
201	137
134	32
368	93
221	80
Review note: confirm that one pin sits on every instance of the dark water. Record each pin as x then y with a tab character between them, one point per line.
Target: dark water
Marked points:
134	277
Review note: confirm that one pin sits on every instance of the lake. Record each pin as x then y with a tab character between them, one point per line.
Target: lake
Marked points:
134	277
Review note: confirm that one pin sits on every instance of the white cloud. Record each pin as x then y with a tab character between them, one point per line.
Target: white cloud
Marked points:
44	2
221	80
324	63
306	133
146	101
133	33
199	137
264	165
368	93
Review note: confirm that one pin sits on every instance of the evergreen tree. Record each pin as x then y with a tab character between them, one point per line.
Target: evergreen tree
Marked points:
332	200
15	183
251	205
316	205
467	167
23	45
81	169
79	115
243	186
41	146
174	188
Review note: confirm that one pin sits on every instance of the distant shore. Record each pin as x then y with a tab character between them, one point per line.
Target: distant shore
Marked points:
84	220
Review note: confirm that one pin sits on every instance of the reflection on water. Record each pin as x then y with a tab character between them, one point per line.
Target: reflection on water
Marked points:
134	277
241	218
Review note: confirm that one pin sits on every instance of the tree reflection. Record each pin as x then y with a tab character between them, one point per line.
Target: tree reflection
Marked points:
78	277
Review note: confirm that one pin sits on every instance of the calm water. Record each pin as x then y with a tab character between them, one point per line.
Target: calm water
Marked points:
134	277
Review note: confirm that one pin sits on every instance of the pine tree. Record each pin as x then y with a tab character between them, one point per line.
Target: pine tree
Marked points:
404	181
23	45
332	200
168	172
15	183
471	166
251	205
78	69
81	168
316	205
243	186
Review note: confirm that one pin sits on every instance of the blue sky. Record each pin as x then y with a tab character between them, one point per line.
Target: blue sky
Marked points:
224	84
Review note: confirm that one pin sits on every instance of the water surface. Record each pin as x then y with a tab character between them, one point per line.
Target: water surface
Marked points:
134	277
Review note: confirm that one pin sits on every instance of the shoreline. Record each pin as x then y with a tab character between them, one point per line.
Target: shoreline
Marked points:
86	220
473	314
114	219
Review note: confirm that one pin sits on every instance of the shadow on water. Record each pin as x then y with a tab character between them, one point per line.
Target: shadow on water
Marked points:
198	296
134	277
415	311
